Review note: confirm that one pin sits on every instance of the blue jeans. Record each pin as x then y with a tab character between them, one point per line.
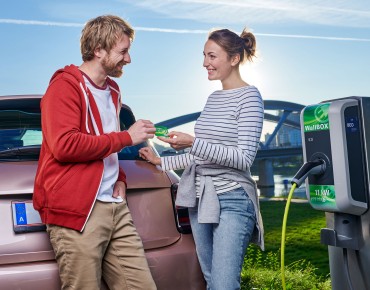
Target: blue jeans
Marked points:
221	247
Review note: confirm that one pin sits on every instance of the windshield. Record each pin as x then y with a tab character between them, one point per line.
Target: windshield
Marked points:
21	135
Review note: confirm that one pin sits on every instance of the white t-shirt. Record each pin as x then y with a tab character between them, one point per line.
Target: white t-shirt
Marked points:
107	111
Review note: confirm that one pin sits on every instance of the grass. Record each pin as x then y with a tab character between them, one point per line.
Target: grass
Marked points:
264	274
302	233
306	259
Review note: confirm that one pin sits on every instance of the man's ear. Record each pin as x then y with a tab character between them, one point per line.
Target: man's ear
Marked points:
99	52
235	59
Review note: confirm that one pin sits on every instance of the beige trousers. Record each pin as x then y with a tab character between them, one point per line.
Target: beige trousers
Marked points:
109	248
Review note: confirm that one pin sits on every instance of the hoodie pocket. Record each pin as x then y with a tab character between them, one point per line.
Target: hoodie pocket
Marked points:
65	188
68	176
76	190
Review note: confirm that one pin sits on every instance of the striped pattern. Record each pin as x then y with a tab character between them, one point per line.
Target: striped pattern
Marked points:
226	133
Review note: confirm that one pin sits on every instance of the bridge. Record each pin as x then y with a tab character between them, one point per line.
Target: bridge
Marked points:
285	116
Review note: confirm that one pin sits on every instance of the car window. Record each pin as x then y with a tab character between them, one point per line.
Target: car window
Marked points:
32	137
21	135
19	127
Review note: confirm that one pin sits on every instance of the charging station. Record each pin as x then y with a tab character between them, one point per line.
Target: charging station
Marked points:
336	134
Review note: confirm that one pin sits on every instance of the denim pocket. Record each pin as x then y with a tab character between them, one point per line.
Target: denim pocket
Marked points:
238	200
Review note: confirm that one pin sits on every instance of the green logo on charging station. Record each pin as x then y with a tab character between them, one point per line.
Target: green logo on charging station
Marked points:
323	197
316	118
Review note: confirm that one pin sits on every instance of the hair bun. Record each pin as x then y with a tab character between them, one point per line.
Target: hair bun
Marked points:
249	43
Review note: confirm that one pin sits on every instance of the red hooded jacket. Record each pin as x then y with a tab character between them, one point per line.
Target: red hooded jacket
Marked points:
70	167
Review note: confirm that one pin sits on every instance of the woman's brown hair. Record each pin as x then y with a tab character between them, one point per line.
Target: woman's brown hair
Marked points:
233	44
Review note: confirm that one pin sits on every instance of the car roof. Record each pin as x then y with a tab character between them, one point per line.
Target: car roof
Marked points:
27	103
9	97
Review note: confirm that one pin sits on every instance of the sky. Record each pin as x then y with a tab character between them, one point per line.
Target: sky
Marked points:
309	51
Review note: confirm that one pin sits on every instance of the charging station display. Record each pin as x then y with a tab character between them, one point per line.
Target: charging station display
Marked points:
332	132
320	190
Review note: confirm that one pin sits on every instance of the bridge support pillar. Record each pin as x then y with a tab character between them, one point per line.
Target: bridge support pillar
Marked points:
266	174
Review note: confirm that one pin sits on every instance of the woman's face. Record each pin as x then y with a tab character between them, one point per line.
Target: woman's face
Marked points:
216	61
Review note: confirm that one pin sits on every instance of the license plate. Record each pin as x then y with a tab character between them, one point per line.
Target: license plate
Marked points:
26	218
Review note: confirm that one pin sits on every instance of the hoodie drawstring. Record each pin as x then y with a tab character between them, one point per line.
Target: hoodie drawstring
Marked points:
88	109
118	107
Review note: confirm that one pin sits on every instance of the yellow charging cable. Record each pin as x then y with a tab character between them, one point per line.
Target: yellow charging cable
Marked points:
283	235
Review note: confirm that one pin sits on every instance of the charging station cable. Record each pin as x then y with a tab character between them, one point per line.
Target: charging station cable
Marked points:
312	167
348	276
282	253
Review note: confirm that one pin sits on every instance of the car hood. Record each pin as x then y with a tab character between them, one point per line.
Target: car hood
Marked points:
18	177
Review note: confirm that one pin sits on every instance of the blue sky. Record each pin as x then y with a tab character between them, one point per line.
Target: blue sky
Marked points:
308	51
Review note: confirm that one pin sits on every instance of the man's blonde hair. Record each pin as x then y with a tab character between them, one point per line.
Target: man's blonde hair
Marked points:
103	32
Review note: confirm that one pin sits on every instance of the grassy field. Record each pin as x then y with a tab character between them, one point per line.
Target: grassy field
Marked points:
302	235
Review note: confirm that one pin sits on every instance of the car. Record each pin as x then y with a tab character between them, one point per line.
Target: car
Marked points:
27	259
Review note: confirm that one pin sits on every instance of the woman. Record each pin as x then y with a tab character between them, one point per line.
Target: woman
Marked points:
216	184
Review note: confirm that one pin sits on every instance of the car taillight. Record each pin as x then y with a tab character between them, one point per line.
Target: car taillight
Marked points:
181	213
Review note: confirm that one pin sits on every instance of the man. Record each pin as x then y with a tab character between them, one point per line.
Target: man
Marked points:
80	190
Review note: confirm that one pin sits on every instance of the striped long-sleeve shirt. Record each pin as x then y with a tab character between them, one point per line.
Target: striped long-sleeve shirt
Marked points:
226	133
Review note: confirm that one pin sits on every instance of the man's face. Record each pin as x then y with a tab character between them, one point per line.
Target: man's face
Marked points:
119	56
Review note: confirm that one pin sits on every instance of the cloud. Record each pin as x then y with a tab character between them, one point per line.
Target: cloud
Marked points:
43	23
179	31
354	13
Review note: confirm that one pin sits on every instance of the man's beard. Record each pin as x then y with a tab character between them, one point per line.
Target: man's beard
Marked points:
112	69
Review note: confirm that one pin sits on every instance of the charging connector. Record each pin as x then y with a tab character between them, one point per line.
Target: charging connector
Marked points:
317	166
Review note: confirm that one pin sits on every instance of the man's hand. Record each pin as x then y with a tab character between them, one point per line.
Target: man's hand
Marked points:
178	140
141	131
119	190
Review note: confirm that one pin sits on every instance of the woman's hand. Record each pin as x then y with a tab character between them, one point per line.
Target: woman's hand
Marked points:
178	140
147	154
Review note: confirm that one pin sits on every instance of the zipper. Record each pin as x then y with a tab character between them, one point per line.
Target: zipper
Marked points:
92	206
